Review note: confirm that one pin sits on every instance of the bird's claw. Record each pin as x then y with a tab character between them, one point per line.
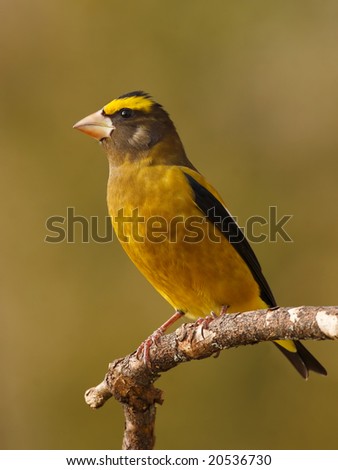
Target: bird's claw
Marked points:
204	323
143	351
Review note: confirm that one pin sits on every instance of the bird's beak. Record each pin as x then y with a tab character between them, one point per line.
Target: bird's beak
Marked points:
96	125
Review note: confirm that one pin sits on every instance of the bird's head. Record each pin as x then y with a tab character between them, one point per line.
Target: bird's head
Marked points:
131	126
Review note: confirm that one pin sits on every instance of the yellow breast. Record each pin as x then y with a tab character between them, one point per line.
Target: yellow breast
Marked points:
165	234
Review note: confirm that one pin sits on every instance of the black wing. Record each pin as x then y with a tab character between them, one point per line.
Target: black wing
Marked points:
222	219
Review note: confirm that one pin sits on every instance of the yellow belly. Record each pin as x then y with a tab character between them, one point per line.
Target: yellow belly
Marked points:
193	266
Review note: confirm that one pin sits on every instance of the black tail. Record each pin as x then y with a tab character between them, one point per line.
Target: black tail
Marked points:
302	360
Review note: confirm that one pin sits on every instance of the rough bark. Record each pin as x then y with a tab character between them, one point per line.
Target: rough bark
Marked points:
130	381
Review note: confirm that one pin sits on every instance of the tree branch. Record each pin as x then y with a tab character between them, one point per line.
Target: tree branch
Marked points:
130	381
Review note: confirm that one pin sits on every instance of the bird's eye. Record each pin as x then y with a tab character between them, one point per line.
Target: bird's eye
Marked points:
126	112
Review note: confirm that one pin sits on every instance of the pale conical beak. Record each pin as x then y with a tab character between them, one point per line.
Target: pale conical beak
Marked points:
96	125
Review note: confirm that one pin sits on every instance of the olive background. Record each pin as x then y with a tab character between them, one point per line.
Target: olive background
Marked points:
252	89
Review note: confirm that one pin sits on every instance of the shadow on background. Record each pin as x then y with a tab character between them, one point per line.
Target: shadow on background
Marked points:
252	88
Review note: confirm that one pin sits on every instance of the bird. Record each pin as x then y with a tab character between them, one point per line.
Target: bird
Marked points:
174	225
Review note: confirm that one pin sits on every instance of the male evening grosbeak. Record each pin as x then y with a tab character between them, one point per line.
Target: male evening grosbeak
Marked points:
173	224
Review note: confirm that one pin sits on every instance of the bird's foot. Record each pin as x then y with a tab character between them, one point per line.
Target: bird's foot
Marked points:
143	351
204	322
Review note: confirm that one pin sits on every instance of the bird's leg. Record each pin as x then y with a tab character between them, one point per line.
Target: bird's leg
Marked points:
224	310
143	351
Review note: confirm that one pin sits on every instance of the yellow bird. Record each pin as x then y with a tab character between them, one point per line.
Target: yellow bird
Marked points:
173	224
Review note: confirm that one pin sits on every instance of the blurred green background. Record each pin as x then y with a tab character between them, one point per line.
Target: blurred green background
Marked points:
252	88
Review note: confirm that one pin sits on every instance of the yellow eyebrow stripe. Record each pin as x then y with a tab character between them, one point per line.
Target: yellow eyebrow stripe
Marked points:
138	103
